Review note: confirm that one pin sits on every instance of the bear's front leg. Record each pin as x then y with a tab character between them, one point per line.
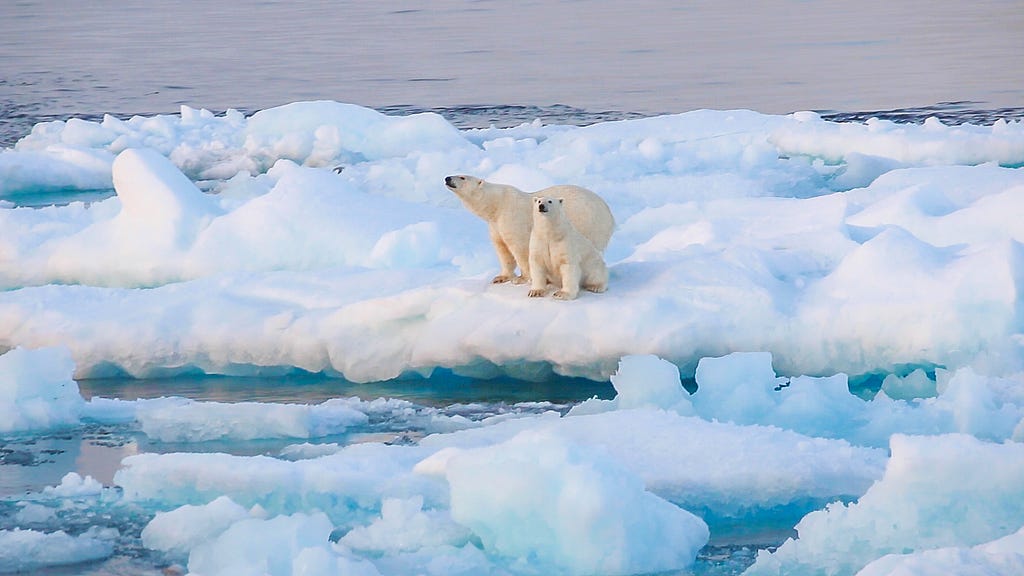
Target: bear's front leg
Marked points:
505	258
539	280
570	274
539	285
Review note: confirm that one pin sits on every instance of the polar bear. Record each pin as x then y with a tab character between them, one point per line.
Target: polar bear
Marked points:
507	211
562	256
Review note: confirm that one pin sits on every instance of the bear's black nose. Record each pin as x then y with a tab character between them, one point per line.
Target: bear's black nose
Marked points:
449	181
542	207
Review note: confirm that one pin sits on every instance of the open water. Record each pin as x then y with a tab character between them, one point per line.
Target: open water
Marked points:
480	62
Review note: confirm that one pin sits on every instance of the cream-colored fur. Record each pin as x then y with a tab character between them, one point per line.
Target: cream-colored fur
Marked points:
560	255
507	211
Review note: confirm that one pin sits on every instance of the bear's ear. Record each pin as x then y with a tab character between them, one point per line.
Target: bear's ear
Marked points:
560	200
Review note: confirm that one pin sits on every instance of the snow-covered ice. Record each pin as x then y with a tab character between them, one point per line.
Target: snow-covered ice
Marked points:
841	299
738	232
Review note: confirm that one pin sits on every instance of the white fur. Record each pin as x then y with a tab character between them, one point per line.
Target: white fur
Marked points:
560	255
507	211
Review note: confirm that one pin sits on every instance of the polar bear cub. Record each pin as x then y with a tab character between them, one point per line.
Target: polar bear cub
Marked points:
507	211
560	255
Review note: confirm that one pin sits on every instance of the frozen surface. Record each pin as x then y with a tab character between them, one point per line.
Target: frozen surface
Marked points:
321	233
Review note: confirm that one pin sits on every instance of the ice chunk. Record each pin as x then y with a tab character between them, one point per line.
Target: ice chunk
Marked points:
930	144
405	527
73	485
157	199
37	390
743	388
189	421
736	387
30	550
279	546
937	492
649	381
751	469
184	528
917	384
548	502
642	381
57	167
308	450
327	133
32	513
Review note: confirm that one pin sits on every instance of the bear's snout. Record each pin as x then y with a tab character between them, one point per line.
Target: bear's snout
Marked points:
451	181
542	207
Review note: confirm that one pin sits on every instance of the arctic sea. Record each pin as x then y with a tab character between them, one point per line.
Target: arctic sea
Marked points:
245	329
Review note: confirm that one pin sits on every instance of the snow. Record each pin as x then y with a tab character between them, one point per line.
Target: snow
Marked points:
843	298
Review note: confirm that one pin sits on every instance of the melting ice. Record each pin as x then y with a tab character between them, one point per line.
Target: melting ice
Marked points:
777	261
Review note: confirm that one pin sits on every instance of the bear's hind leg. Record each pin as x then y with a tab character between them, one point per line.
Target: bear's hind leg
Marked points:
597	280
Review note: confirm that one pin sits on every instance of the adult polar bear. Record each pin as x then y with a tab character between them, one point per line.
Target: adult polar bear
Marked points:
509	215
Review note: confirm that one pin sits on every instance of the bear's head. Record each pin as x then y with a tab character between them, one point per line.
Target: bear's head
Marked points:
465	187
552	206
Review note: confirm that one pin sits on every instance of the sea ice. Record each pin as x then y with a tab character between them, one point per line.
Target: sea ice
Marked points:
774	259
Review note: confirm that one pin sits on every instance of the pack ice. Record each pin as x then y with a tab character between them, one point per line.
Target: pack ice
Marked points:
777	261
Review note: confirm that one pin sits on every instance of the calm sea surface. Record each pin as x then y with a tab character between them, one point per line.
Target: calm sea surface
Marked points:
489	61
